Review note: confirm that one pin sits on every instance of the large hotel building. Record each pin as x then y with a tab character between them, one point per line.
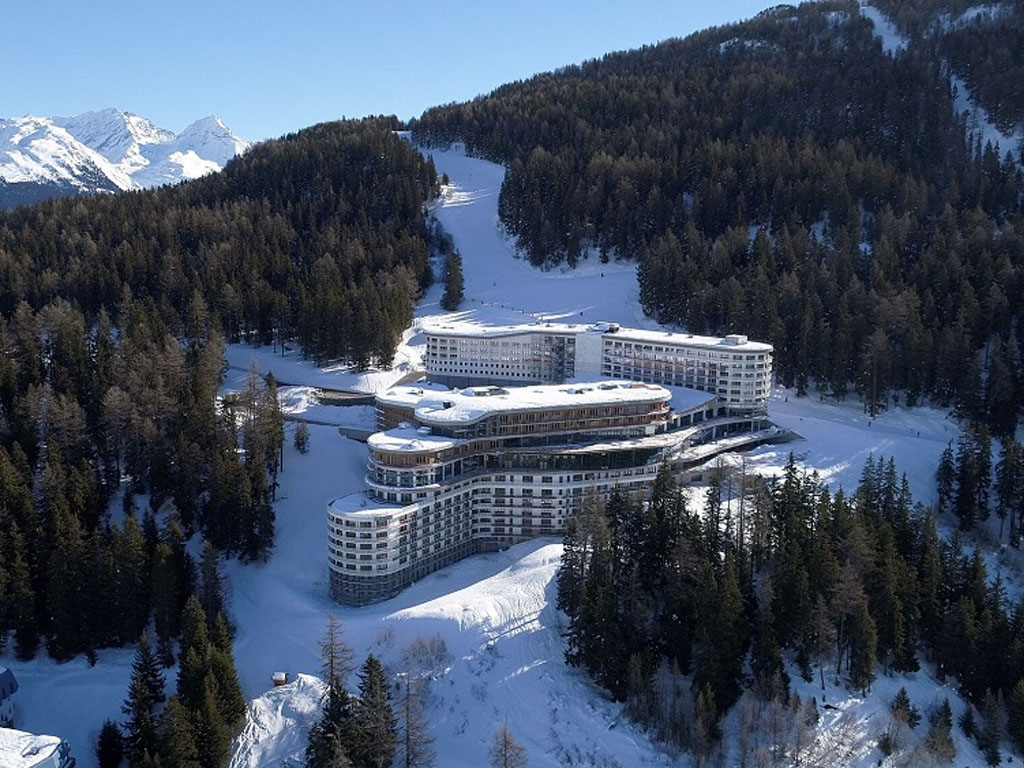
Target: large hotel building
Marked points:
453	472
735	369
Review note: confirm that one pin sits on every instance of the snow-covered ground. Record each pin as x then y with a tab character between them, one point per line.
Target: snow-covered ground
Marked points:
980	124
291	368
301	402
485	629
500	285
892	41
837	438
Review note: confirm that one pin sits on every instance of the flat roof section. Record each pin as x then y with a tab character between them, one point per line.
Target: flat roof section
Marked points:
733	342
470	329
361	504
411	440
472	404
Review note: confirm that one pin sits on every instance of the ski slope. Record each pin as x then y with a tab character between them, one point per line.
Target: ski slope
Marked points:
500	285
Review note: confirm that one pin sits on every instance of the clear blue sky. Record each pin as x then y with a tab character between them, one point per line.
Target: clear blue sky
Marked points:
268	68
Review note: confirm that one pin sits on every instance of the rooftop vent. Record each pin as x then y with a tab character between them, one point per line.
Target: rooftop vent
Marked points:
735	339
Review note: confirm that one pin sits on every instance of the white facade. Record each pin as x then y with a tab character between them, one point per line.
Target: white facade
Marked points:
452	473
738	371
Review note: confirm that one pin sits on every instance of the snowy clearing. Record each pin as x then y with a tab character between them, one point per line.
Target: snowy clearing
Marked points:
980	124
892	41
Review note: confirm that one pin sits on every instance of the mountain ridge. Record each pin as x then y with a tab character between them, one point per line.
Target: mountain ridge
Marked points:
107	150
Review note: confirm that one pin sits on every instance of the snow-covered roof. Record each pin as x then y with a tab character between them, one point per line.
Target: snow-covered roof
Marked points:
471	329
467	329
474	403
25	750
411	440
361	504
732	343
409	396
684	399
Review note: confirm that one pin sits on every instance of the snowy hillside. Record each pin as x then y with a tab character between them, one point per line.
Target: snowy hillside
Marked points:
484	631
108	150
978	122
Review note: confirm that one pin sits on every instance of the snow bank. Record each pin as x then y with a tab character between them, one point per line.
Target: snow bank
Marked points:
277	725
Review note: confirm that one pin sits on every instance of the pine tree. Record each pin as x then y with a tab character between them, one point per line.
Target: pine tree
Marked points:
331	737
176	738
863	641
211	591
1009	486
109	745
414	738
771	680
374	719
453	283
939	739
989	735
230	701
903	710
945	476
212	734
1015	719
506	752
166	601
145	690
192	655
302	437
21	596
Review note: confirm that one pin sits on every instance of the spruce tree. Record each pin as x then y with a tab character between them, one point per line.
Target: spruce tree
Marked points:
302	437
21	597
862	639
211	591
903	710
109	745
939	739
945	476
1015	712
192	655
176	739
376	736
166	601
145	691
990	733
212	734
453	283
230	701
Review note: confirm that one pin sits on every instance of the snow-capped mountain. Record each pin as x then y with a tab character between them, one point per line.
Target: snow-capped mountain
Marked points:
108	150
